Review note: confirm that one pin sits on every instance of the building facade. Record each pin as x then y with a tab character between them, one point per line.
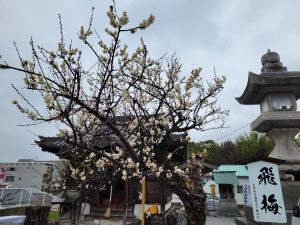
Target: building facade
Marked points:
28	173
243	178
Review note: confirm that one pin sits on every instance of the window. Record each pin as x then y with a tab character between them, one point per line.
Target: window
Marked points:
239	189
282	101
11	169
9	179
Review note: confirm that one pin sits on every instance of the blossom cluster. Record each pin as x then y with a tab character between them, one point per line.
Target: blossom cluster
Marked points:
139	102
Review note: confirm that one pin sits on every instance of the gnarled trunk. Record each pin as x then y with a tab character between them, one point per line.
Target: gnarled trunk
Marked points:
193	203
194	207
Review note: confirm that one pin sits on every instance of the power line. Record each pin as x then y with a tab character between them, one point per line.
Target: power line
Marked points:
232	132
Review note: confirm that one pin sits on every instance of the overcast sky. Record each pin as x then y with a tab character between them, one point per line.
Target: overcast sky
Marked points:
230	36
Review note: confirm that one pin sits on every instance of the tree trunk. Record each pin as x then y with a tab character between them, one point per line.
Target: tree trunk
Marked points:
194	208
193	203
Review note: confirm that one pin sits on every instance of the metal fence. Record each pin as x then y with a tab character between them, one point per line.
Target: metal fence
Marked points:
24	196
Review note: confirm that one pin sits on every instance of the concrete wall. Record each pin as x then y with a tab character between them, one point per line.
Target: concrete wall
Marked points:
35	215
37	175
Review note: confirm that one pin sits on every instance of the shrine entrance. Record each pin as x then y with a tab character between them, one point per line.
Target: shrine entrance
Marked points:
115	193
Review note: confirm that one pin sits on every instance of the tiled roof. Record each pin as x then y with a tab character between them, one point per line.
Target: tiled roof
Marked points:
240	170
225	177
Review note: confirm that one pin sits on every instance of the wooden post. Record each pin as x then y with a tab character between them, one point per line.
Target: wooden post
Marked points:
143	201
228	197
79	203
163	198
125	203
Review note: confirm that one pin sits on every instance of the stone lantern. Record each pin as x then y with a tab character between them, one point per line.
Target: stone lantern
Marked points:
276	90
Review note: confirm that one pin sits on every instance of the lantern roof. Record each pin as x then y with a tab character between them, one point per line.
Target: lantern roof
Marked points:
269	120
274	79
266	159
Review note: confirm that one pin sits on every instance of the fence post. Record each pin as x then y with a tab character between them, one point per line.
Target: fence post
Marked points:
2	193
43	199
30	196
20	201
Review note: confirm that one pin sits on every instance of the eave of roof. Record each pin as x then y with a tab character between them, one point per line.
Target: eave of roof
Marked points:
226	177
260	85
240	170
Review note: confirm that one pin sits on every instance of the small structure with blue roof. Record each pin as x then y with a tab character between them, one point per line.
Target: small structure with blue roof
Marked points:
243	179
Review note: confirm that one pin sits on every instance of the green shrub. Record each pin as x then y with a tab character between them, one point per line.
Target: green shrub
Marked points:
53	215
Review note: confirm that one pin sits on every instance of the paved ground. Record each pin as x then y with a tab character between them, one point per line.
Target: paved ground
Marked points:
210	220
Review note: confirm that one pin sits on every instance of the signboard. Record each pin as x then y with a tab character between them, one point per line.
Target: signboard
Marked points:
213	190
266	193
245	194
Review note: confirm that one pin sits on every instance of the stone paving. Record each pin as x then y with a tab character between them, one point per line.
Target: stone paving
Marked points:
211	220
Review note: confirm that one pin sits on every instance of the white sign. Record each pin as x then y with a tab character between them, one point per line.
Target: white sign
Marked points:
266	193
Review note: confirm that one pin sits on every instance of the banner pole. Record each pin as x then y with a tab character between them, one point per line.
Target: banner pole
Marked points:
143	201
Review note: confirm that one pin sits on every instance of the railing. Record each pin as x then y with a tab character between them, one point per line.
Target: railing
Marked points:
24	196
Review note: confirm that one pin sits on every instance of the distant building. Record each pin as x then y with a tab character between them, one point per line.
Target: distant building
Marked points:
243	178
28	173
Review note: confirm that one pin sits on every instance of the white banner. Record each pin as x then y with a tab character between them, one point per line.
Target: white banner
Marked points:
245	194
266	193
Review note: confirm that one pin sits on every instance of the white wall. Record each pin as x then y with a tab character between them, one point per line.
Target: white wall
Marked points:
27	174
239	197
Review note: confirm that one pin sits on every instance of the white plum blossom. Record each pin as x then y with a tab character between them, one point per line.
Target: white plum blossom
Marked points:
100	163
169	175
127	100
124	175
92	155
179	171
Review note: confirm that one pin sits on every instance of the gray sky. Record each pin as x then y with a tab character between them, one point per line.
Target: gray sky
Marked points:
229	35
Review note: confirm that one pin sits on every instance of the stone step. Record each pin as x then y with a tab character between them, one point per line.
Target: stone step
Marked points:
88	220
105	222
99	213
112	209
113	212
